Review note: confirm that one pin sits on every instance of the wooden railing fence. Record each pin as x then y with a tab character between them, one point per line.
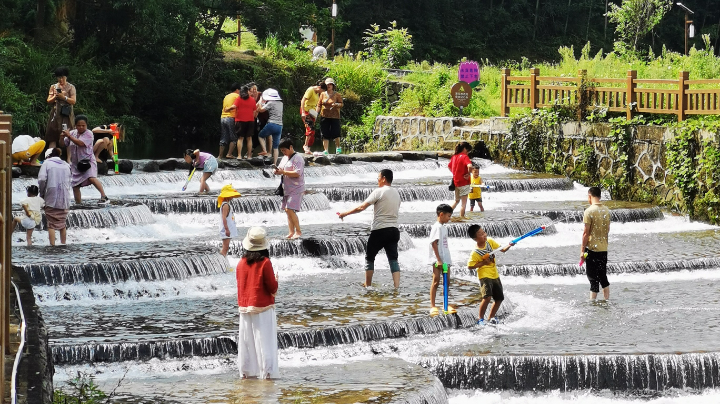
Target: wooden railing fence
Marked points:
668	96
6	228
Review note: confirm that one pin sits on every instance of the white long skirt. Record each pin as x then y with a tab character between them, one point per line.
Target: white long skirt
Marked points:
257	345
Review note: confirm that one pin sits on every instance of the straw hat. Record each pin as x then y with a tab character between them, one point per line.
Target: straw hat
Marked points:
228	192
329	80
255	240
271	95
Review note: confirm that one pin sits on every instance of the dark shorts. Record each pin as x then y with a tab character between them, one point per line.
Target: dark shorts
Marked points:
244	129
490	287
596	270
330	128
472	202
386	238
227	131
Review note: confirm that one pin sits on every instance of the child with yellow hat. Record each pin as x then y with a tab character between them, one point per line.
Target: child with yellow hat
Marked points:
228	229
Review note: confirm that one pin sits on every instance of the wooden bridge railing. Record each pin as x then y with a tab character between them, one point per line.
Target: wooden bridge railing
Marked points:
629	94
6	228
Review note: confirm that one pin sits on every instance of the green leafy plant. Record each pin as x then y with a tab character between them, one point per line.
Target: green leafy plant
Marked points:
529	137
681	161
80	390
391	46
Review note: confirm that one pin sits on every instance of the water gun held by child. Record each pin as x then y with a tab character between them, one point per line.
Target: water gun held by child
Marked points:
515	241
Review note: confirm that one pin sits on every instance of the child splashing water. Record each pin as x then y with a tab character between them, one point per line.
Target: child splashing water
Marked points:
204	161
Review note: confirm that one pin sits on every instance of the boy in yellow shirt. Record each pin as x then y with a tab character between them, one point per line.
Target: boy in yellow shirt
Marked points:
476	191
482	260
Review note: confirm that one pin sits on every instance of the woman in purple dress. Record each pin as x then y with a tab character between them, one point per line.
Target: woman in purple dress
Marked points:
205	162
83	165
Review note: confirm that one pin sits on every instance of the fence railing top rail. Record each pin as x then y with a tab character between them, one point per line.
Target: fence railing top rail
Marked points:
655	81
703	81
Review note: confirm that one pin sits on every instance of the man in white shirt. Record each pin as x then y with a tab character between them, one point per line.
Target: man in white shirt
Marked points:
384	232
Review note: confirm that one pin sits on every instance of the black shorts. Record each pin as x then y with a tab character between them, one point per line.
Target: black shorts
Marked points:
330	128
386	238
472	202
244	129
596	269
490	287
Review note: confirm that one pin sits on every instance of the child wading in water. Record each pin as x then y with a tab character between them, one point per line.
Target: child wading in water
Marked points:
482	260
31	205
476	192
205	162
228	228
439	254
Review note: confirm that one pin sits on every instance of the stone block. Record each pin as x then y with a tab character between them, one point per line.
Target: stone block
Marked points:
321	160
125	166
367	157
392	156
340	159
151	167
257	162
29	171
447	126
102	168
168	165
16	172
422	126
412	156
236	164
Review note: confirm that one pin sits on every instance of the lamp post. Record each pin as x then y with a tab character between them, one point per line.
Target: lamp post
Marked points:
689	27
334	15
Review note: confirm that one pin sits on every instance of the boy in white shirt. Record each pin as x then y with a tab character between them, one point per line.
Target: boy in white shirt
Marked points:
31	205
439	253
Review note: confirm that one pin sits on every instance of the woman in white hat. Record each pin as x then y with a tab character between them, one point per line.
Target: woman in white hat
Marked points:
257	285
329	105
272	103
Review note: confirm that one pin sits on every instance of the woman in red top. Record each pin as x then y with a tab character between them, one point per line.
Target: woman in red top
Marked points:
245	113
257	285
460	166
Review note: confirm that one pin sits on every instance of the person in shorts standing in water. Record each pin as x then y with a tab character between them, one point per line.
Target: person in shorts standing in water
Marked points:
384	232
329	105
460	166
595	244
245	114
309	114
227	123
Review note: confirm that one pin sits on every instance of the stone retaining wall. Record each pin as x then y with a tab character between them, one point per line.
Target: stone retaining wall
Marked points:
490	137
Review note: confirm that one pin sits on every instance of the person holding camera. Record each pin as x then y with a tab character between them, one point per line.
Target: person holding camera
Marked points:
83	165
62	97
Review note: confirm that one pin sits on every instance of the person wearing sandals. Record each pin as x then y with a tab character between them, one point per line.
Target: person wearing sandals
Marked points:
257	285
245	114
227	123
205	162
329	105
272	103
292	169
228	228
460	166
83	165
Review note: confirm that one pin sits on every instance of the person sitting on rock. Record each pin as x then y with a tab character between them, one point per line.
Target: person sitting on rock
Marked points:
103	144
26	150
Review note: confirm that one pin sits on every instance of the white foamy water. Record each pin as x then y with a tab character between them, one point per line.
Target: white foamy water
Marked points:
580	397
651	277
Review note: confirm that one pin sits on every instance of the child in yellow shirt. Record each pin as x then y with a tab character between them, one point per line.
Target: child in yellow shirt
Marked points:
476	192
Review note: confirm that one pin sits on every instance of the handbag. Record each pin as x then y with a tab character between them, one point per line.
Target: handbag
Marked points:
83	165
65	110
451	187
280	191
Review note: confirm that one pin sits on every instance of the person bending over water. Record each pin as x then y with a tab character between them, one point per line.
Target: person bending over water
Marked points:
384	232
204	161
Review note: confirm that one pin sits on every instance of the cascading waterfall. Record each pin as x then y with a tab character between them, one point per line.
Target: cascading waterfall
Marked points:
227	344
616	215
245	204
320	246
504	228
655	372
152	269
104	217
639	267
529	184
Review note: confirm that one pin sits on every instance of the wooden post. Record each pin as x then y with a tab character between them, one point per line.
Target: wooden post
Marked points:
582	96
682	102
534	73
6	227
504	109
630	96
239	32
